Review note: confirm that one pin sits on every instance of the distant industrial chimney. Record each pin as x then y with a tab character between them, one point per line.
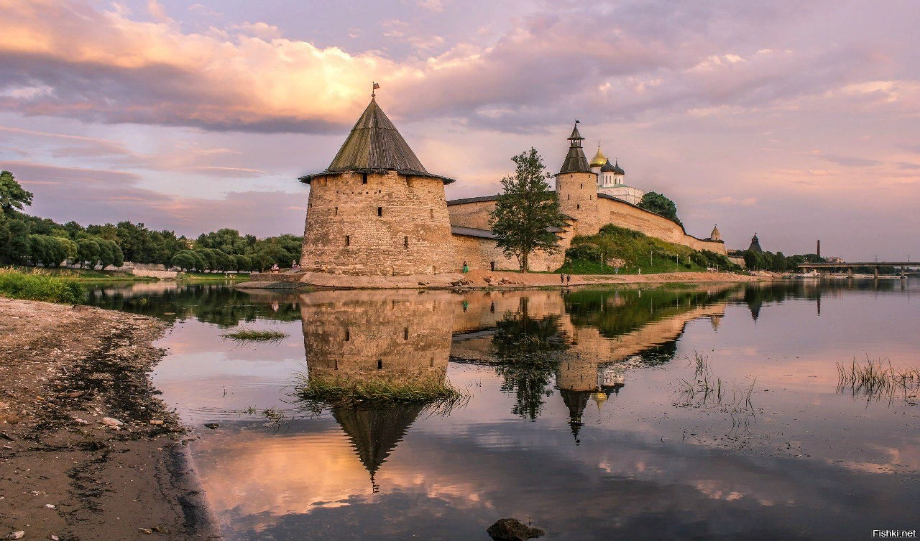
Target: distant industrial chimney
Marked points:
819	248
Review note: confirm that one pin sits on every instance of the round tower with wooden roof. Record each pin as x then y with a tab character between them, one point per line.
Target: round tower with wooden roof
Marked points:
576	187
376	210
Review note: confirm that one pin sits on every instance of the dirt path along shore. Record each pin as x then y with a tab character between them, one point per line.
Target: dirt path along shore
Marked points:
87	450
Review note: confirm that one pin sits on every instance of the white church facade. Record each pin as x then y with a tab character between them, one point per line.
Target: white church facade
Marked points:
611	179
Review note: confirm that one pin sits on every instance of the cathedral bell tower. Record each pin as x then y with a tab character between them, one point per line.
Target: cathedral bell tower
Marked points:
576	188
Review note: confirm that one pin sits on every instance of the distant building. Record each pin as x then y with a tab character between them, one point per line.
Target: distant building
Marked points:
716	235
611	179
755	245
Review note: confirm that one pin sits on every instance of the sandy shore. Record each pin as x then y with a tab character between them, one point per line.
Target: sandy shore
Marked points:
87	451
479	279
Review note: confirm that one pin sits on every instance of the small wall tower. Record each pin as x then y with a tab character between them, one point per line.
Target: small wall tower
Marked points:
576	188
376	210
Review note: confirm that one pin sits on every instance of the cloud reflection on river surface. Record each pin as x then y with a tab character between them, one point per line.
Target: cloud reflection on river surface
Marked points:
590	444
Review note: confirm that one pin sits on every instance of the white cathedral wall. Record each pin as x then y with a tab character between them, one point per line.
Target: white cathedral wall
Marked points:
626	193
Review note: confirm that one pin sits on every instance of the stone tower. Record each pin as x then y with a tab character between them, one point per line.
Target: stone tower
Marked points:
716	234
376	210
576	188
755	245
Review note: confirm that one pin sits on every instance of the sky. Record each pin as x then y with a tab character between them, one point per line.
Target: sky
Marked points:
794	120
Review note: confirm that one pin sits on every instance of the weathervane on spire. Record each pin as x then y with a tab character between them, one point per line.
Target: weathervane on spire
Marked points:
373	90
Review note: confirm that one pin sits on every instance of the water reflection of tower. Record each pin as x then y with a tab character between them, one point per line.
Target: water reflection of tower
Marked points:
374	336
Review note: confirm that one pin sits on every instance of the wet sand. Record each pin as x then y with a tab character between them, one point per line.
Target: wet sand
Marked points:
87	450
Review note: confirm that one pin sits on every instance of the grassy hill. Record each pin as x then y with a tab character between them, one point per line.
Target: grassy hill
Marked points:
632	251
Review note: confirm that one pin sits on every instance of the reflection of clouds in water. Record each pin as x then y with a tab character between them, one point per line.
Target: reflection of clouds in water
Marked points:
892	460
632	469
447	478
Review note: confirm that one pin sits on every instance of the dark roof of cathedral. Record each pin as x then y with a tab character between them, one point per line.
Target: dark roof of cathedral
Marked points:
611	167
755	244
374	145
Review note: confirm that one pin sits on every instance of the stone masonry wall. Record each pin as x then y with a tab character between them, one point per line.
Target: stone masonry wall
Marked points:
475	215
480	253
398	337
377	224
629	216
578	199
577	193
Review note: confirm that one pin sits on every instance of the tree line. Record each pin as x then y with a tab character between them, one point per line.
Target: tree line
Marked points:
777	262
30	240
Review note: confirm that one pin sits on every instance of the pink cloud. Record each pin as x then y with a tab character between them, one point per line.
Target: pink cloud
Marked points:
98	196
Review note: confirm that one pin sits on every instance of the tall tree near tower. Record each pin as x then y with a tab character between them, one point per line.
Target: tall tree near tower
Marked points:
526	212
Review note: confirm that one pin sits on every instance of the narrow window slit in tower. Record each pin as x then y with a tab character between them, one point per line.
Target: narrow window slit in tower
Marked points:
431	364
379	211
406	242
363	178
578	206
336	211
406	333
347	335
347	240
379	364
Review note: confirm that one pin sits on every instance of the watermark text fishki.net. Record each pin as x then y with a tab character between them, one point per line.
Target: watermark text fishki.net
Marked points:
895	534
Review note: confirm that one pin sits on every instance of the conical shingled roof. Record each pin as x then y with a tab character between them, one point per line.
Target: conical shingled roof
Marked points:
374	145
576	401
374	432
575	161
755	245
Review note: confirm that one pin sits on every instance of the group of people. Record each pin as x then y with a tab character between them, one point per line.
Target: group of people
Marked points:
565	278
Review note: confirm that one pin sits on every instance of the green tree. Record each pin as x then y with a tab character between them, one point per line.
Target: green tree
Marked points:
12	196
243	262
526	211
660	205
15	245
87	252
185	260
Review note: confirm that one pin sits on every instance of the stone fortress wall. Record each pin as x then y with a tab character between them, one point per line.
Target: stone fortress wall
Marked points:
589	212
588	352
377	224
398	337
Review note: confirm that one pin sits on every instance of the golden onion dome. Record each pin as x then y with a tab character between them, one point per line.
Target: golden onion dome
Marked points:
599	398
599	159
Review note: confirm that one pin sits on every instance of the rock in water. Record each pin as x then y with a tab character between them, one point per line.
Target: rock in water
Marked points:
512	529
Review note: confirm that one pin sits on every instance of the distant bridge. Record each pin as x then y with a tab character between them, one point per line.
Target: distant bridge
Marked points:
850	266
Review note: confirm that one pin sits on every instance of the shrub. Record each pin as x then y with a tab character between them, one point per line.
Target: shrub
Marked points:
39	286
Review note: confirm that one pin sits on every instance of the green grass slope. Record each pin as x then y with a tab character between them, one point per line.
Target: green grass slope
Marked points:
635	251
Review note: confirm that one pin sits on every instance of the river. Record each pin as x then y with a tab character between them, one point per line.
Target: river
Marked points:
683	412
